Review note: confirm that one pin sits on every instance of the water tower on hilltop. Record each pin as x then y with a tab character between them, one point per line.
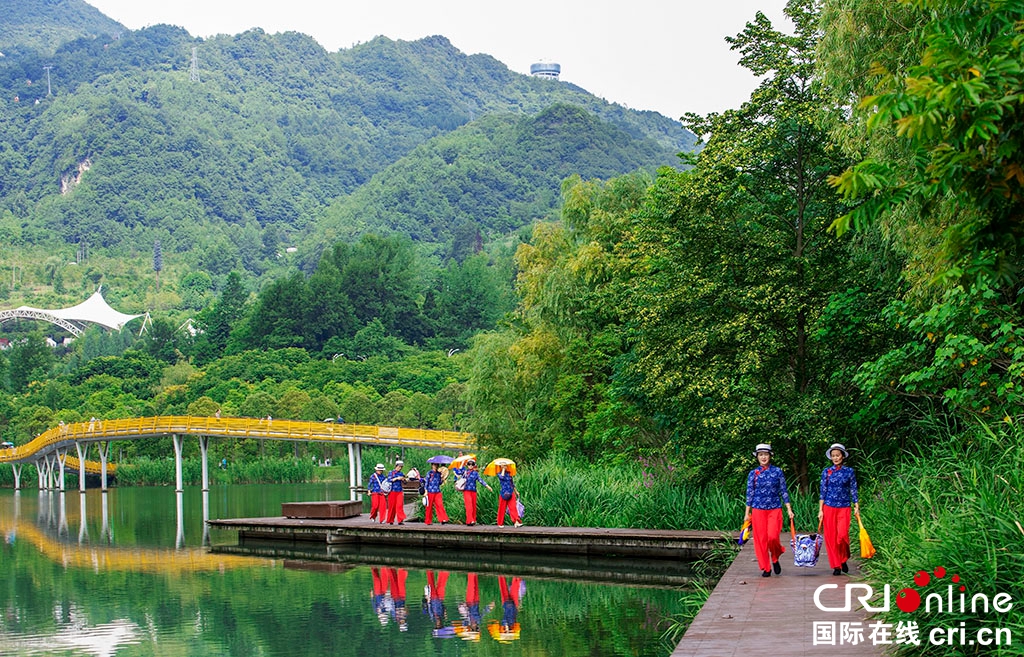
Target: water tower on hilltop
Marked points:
546	70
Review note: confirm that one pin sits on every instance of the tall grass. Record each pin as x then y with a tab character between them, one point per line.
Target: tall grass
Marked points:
161	472
960	506
557	493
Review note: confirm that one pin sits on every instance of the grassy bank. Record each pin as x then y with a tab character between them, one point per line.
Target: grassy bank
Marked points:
959	506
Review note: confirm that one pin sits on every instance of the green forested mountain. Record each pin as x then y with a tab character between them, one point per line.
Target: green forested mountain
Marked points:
246	154
491	173
43	25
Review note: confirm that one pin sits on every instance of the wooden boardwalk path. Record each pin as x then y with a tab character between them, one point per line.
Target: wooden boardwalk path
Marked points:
748	615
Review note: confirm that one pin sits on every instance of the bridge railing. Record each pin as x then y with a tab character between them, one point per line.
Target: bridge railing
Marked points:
260	428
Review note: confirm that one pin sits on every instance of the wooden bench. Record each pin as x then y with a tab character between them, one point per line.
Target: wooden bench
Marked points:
339	509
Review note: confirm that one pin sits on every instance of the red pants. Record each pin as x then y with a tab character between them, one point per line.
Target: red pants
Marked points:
378	506
510	592
469	501
437	586
766	525
396	582
380	582
472	589
435	503
513	510
395	510
835	524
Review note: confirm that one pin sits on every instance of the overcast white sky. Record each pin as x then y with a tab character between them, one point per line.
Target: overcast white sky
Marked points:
667	55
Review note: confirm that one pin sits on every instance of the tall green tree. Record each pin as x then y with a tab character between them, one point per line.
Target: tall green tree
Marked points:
956	117
735	267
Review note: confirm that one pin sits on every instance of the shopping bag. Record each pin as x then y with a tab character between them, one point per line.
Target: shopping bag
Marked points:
867	550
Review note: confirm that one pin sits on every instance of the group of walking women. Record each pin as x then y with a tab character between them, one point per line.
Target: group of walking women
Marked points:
767	492
387	495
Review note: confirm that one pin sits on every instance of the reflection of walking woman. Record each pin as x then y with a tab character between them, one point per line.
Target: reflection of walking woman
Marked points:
472	477
838	489
379	499
507	497
435	500
766	491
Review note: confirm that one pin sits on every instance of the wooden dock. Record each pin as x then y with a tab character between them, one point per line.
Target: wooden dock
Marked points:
747	614
646	543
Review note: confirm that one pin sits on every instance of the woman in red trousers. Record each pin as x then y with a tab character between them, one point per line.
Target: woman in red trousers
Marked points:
838	490
471	479
379	499
766	493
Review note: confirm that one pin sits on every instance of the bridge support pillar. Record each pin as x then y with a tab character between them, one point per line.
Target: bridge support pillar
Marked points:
204	446
41	474
17	475
351	471
62	456
83	452
104	450
359	469
47	473
178	486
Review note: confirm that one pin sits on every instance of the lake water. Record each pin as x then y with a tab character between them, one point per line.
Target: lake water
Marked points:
132	572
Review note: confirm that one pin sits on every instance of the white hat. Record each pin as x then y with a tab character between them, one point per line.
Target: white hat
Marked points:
399	462
380	466
763	447
840	447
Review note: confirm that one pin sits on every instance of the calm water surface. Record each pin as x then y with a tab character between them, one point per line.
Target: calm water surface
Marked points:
132	572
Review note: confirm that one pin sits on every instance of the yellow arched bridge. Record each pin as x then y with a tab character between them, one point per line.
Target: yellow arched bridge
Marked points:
50	450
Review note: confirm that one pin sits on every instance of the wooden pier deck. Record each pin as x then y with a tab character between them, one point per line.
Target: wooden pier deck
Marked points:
647	543
748	615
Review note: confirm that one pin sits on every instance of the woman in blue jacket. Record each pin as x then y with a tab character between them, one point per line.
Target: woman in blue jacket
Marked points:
838	489
766	493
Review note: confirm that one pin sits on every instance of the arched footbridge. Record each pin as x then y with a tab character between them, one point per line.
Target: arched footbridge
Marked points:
50	451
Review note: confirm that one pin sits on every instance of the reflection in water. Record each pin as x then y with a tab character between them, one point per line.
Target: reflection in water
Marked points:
83	531
156	590
434	602
508	629
77	638
179	541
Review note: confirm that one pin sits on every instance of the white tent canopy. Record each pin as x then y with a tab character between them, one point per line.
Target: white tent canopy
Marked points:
94	310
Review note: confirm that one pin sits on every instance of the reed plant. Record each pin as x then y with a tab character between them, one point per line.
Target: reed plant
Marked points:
957	505
161	472
557	492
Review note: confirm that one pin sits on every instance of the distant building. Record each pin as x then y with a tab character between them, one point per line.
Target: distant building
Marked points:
546	70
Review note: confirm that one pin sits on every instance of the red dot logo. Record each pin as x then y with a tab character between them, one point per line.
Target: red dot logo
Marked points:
908	600
956	578
963	588
940	572
922	578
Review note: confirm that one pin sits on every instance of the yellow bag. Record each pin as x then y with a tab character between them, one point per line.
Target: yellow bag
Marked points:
867	550
745	532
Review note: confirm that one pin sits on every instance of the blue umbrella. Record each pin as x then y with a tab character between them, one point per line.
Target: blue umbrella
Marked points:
440	459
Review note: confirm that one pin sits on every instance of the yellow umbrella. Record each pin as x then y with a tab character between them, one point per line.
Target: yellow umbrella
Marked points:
494	466
867	550
461	461
503	636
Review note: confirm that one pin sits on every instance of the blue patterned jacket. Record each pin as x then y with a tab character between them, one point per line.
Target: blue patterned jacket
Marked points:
838	486
766	487
433	481
374	484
